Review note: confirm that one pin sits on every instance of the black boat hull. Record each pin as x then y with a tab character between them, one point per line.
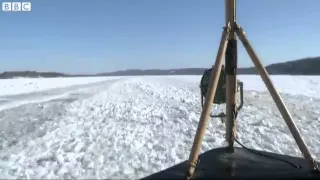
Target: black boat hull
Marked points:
243	164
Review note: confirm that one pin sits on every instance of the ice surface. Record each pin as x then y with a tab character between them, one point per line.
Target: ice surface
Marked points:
294	85
27	85
130	127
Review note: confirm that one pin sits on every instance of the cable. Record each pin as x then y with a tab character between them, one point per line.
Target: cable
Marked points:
252	150
267	156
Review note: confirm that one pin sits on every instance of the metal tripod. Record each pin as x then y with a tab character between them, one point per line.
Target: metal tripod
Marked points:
228	48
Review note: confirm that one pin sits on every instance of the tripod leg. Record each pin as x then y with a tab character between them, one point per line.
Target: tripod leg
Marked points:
213	83
276	97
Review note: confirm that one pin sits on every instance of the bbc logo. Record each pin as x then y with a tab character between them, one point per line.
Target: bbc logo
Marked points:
16	6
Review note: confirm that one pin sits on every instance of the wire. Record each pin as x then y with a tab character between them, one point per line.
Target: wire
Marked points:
252	150
267	156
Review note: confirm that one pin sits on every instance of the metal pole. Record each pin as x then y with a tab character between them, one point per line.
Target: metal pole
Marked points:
231	62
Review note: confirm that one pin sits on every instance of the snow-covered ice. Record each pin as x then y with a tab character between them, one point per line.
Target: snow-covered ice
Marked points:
130	127
294	85
27	85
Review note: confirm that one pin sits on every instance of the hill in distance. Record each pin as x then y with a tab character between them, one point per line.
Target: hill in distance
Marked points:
305	66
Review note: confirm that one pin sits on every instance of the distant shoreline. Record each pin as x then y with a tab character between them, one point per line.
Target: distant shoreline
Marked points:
306	66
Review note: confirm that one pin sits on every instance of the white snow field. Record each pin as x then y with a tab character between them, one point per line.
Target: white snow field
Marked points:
27	85
130	127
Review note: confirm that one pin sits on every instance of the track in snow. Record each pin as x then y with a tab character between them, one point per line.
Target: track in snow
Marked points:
134	127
